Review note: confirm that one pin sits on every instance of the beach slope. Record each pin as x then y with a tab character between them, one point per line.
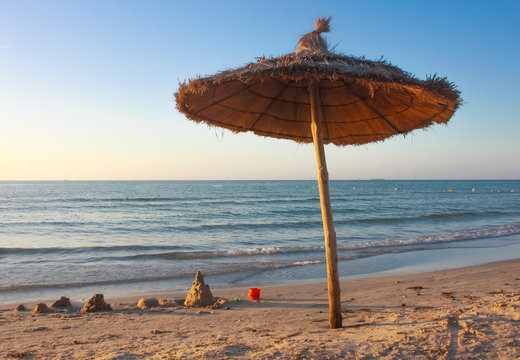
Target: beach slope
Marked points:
453	314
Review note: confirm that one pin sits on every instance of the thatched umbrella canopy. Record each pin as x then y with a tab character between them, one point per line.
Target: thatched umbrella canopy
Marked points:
315	95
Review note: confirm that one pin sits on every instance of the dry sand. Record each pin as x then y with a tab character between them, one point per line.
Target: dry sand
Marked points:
469	313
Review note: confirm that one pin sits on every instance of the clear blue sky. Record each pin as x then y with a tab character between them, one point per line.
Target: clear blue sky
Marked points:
86	87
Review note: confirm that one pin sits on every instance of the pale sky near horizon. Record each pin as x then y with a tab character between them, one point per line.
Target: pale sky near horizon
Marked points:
86	87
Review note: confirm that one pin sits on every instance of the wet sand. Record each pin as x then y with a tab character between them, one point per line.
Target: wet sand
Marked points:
468	313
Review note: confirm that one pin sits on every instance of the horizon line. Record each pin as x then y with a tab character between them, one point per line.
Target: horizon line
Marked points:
360	179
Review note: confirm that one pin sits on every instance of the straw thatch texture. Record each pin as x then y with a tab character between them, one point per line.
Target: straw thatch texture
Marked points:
362	101
312	41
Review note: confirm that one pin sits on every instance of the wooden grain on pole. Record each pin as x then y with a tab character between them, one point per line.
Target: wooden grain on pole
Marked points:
331	252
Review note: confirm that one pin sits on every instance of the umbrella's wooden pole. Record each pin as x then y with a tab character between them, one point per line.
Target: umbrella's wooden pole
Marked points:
331	251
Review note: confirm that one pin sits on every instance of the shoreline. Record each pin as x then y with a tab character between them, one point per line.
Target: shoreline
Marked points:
240	290
459	313
411	262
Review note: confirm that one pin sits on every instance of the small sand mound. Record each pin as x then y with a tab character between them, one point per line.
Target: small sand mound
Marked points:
96	303
146	303
199	295
41	308
63	302
169	303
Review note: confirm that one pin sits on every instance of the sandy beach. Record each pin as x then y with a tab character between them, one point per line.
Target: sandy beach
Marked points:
468	313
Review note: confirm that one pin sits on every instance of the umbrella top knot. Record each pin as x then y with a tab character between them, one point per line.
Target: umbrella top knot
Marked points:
313	42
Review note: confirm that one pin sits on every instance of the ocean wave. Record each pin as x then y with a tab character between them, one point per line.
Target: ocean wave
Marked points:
307	262
136	252
306	223
201	199
49	223
469	234
85	249
455	215
66	285
123	199
229	226
243	252
313	211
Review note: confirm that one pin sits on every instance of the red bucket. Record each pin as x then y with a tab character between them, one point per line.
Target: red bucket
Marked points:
254	293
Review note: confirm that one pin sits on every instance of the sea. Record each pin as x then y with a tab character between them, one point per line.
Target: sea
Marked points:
125	238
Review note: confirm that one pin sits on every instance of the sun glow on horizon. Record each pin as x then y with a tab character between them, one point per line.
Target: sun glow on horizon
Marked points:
86	90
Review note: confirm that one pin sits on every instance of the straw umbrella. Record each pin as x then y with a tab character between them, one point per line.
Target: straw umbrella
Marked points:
319	96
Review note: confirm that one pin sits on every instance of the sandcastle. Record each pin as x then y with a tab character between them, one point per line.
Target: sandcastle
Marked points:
63	302
200	294
96	303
